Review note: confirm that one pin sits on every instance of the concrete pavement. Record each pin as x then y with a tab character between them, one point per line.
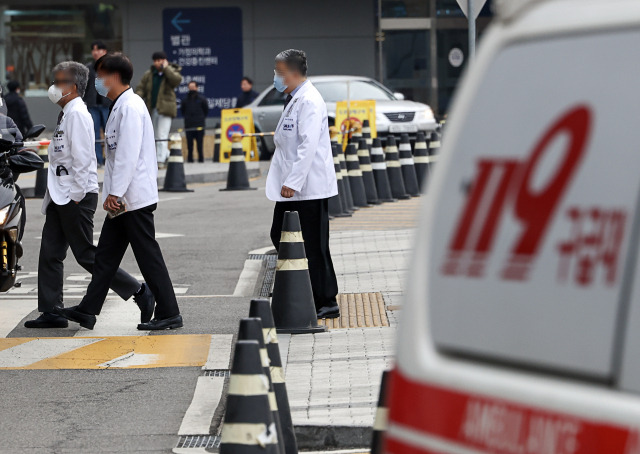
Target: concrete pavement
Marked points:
135	394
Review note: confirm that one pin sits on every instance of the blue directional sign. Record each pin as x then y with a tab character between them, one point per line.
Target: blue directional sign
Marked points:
207	44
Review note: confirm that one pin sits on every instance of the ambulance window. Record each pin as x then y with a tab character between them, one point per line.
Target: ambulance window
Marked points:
273	98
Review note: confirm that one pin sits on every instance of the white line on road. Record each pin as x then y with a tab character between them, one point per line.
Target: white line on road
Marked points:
248	278
13	312
197	419
219	352
118	318
39	349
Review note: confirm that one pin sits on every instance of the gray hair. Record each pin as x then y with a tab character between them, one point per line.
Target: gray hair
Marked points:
295	60
78	71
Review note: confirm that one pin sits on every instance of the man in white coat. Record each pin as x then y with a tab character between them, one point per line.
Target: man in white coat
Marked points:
302	176
130	196
70	202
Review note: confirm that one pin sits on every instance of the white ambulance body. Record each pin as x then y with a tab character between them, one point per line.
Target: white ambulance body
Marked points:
520	332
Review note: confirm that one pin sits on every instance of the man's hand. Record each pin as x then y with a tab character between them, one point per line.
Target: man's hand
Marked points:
286	192
165	63
111	204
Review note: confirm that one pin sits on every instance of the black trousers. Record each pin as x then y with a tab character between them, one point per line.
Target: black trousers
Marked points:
198	136
135	228
67	226
314	220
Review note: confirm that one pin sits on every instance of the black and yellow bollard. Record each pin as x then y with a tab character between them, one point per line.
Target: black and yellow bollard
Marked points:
355	177
421	160
294	310
366	133
380	422
367	173
407	167
261	308
174	178
341	202
345	177
251	329
42	174
394	172
237	178
379	167
434	149
248	426
217	140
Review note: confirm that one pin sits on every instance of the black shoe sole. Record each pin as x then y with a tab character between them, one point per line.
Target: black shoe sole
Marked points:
171	326
50	326
83	323
336	315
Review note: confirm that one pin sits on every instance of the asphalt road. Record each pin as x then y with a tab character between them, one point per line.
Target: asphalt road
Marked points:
138	410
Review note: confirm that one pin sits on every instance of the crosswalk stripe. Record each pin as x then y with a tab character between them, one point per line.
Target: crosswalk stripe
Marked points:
123	352
219	352
118	318
13	312
197	419
36	350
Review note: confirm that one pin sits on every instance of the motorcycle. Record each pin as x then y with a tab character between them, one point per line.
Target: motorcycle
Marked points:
14	160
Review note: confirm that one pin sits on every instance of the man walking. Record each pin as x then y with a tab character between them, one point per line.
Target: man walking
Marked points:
98	105
130	196
302	175
17	108
157	88
194	108
70	202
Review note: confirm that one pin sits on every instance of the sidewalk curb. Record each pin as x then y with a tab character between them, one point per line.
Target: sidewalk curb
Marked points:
334	437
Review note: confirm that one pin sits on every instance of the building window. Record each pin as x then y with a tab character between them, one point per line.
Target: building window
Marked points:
39	37
405	8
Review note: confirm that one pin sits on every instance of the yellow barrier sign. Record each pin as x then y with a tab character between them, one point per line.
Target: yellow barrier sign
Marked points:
238	121
353	113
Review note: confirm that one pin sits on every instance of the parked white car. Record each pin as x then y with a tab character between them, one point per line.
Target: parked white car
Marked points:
394	114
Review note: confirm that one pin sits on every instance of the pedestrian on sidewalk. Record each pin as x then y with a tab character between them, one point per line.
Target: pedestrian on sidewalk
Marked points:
98	105
70	202
248	94
157	88
302	175
17	108
195	108
130	196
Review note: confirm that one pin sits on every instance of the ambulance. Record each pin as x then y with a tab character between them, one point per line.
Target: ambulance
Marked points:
520	332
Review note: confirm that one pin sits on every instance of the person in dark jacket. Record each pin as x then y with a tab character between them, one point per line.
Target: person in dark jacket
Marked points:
17	108
248	94
194	110
97	105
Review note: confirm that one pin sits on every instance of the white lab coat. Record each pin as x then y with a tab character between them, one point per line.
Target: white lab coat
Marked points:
72	148
131	167
303	160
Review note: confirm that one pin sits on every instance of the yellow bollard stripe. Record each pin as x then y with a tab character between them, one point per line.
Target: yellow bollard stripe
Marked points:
292	264
291	237
248	385
393	163
46	165
270	335
264	357
248	434
421	159
380	423
435	144
236	158
420	146
406	161
175	159
355	173
366	167
273	404
363	153
352	158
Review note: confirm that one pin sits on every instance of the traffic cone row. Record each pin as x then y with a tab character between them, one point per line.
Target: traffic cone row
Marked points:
338	203
258	416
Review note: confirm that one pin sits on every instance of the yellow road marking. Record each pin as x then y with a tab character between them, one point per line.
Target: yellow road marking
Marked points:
133	352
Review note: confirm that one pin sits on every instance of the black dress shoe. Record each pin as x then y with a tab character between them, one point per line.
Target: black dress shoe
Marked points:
329	312
76	315
47	320
165	323
146	303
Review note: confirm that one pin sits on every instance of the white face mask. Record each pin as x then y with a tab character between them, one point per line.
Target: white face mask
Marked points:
55	94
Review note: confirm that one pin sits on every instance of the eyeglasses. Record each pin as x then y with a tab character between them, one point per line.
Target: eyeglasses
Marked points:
62	81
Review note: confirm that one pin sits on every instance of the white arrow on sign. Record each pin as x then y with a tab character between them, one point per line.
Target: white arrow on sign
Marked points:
476	6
